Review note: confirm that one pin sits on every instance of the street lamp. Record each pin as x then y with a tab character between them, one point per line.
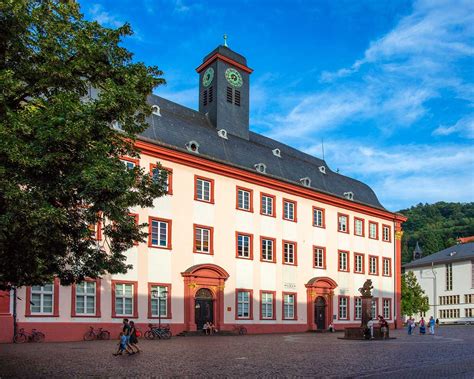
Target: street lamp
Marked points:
156	294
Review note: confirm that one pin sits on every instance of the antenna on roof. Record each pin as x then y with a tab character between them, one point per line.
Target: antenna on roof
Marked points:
225	40
322	146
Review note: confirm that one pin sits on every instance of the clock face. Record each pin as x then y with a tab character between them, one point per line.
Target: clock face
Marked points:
233	77
207	77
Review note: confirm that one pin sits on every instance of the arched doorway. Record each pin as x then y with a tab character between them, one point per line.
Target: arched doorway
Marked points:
320	313
203	307
319	297
204	295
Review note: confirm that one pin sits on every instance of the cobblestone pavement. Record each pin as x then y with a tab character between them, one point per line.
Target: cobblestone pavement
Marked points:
448	354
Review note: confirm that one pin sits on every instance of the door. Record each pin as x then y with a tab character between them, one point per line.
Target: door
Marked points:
203	308
320	313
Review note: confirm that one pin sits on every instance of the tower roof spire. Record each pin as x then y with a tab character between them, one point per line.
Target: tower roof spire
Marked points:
225	40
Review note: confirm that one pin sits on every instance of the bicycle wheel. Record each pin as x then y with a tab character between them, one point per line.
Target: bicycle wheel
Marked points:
166	334
89	336
104	335
242	331
20	338
149	335
38	337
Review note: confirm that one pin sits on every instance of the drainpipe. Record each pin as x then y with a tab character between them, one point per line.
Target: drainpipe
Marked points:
14	313
395	275
434	292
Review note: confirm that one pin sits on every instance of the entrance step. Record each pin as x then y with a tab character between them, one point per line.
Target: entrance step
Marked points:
200	333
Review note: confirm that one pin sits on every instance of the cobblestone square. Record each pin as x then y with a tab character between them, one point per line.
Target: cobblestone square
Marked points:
450	353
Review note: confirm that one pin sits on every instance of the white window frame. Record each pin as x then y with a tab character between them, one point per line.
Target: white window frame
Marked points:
42	292
243	301
358	263
243	248
343	260
267	205
243	199
343	305
200	240
203	190
342	223
289	306
128	164
124	296
267	249
449	276
386	233
319	257
386	267
82	292
157	172
386	308
155	301
318	217
156	230
373	228
358	227
267	305
289	254
289	210
373	263
357	308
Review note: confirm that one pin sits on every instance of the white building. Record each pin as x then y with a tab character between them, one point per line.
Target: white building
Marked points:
447	277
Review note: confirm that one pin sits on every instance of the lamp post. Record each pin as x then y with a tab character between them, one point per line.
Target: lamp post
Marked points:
156	294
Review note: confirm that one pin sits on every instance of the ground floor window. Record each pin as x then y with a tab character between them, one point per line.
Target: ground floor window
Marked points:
469	312
343	307
387	308
374	309
41	300
449	313
85	298
358	308
159	300
289	301
124	293
267	302
244	299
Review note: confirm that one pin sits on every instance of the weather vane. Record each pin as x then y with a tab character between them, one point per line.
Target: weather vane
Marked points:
225	40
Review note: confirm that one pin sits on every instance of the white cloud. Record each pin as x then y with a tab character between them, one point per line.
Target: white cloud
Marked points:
103	17
463	127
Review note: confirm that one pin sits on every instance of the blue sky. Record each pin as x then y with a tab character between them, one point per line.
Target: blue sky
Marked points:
388	85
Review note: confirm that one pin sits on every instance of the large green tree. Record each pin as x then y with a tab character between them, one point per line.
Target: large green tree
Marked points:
414	299
64	81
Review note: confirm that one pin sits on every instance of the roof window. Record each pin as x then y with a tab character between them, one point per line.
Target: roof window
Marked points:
277	153
222	133
193	146
261	167
155	109
116	125
349	195
306	182
322	169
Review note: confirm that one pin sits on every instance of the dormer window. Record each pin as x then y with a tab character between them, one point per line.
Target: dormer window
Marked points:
322	169
277	153
222	133
306	182
261	167
193	146
349	195
116	125
155	109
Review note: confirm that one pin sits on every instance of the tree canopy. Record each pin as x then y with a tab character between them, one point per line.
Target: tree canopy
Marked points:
64	81
435	226
414	299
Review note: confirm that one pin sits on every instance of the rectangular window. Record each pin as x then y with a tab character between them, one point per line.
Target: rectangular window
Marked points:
469	299
358	263
386	235
357	308
289	210
164	174
386	267
244	246
289	303
343	264
289	253
237	98
267	303
129	163
124	299
449	276
229	94
267	246
373	230
267	205
42	299
204	97
373	265
203	239
318	217
343	307
469	312
358	227
244	306
472	274
204	190
387	308
374	309
159	233
159	300
85	298
343	223
319	257
244	199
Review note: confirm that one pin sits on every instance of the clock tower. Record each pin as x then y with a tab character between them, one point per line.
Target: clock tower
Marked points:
224	91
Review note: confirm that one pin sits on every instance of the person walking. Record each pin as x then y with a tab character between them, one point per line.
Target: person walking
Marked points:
122	345
431	324
410	325
126	333
133	338
422	326
383	327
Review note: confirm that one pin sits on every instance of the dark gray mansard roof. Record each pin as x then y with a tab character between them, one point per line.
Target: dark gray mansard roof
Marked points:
179	125
461	252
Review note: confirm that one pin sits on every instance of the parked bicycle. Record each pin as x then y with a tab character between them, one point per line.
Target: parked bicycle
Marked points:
23	336
99	334
154	332
240	330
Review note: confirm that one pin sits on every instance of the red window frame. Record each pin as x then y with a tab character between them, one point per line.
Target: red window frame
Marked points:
348	307
97	299
273	250
295	213
339	260
376	265
390	307
135	298
324	257
347	223
55	302
376	230
170	225
363	226
295	311
274	204
211	194
250	258
170	176
295	252
211	239
389	233
136	217
363	263
323	212
136	161
237	290
389	266
168	300
273	293
237	199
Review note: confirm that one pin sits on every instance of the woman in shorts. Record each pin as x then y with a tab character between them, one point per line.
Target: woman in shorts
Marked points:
133	338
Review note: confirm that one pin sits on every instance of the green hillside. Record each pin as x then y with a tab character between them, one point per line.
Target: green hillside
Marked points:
435	226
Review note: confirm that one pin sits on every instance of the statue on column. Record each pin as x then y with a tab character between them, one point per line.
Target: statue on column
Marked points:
366	294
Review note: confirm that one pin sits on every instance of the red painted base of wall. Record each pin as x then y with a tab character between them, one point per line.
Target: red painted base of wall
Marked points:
6	328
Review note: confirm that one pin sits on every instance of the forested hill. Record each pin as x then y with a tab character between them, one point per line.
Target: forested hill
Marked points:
435	226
